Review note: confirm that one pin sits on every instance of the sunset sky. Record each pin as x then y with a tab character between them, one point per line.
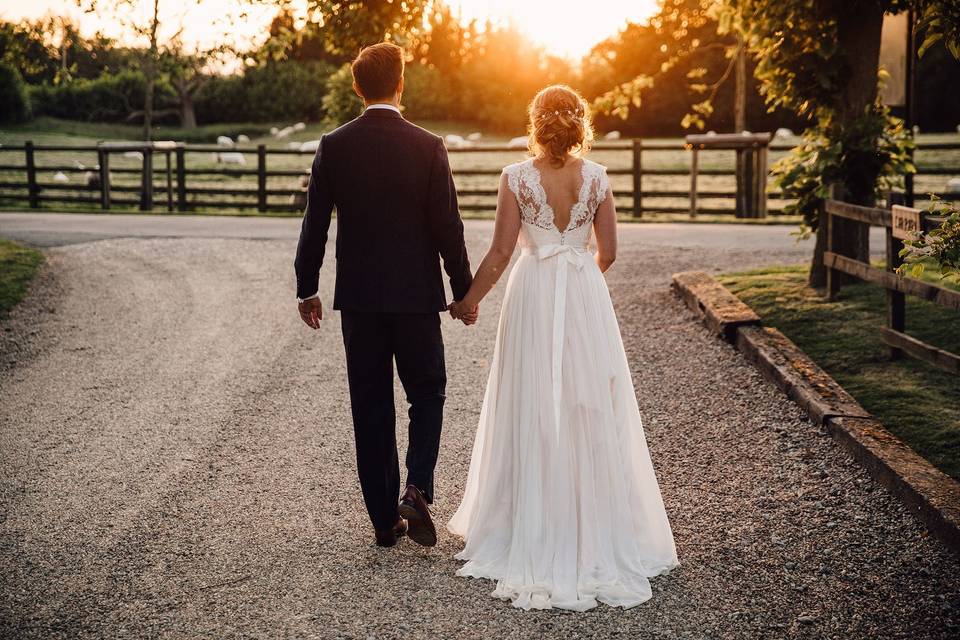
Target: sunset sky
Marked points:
565	28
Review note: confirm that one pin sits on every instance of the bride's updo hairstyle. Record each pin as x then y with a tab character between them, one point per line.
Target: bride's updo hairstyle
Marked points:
559	124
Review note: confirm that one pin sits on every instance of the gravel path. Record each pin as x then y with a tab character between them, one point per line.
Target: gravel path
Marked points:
169	433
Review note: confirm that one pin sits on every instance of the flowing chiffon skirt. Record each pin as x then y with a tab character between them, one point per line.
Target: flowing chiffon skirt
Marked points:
562	513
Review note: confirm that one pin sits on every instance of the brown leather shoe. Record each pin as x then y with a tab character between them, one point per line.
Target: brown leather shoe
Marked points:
414	508
390	537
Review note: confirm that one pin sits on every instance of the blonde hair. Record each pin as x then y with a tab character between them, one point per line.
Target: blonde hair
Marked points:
559	125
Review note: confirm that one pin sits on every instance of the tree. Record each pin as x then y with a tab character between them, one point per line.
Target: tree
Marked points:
820	59
676	64
347	26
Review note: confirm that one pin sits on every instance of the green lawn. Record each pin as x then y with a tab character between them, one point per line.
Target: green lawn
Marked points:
18	264
917	402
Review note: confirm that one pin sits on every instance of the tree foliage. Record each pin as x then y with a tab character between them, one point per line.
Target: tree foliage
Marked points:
347	26
941	246
14	99
673	74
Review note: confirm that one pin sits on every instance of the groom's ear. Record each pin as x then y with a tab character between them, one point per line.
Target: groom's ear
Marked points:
356	89
400	86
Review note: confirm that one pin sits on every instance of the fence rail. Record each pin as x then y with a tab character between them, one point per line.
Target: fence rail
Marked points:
168	180
894	334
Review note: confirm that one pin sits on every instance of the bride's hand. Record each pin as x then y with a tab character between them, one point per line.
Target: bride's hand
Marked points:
467	315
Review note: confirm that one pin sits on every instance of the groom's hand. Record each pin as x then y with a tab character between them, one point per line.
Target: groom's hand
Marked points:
467	316
311	312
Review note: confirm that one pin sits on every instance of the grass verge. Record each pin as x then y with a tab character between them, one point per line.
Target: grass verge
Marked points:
917	402
18	264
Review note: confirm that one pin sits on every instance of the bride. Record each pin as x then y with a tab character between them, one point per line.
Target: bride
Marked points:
561	506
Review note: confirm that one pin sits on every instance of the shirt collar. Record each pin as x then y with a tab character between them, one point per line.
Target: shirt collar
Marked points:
381	105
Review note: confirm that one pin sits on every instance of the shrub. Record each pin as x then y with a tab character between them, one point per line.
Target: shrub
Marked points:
276	91
109	98
14	98
341	104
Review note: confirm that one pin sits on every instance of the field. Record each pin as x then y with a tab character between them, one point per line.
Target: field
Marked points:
914	400
74	164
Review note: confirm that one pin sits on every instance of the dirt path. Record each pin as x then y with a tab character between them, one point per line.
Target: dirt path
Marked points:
170	434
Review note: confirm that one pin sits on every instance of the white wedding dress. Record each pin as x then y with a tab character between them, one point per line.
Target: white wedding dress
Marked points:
561	505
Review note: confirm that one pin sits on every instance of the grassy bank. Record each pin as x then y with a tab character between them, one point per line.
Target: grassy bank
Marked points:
18	264
917	402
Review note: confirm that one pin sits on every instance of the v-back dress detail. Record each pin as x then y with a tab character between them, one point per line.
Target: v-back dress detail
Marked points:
561	507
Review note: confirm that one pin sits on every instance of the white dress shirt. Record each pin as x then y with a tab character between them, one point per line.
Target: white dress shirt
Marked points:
375	105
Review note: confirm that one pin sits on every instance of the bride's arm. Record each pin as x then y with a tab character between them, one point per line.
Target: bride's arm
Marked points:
605	229
501	247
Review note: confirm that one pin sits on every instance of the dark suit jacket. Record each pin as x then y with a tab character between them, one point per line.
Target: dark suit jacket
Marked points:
397	214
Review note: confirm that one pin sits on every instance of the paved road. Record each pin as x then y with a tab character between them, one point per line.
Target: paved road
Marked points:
176	460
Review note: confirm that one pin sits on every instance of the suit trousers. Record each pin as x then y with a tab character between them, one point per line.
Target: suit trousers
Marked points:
373	341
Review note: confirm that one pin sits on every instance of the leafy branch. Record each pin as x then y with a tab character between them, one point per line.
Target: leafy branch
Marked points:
940	246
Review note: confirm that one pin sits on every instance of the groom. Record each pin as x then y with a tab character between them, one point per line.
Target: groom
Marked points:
397	214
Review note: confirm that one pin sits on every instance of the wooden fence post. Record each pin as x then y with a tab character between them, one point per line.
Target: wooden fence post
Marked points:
896	300
693	182
166	155
146	182
103	160
261	177
833	276
762	172
32	190
181	178
637	178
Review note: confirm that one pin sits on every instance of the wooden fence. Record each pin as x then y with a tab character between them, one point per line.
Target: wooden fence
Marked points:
898	222
166	180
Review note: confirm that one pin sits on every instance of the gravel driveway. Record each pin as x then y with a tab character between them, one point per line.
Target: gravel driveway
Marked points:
170	434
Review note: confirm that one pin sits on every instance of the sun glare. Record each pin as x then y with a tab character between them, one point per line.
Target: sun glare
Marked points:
567	29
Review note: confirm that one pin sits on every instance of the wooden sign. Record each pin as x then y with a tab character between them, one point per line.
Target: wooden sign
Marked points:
907	222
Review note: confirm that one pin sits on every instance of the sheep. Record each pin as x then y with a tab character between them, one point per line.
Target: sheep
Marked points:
953	185
711	132
300	126
61	177
224	141
135	155
299	199
231	157
310	145
274	131
243	138
476	136
283	133
453	140
293	145
612	135
783	132
519	141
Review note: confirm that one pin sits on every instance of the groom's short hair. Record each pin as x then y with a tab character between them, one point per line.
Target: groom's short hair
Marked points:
377	70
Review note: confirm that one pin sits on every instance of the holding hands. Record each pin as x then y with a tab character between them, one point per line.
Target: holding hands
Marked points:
464	313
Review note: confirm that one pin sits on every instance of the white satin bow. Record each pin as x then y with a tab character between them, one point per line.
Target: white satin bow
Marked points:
565	255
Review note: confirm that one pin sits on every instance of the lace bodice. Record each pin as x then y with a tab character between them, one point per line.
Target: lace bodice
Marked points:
537	215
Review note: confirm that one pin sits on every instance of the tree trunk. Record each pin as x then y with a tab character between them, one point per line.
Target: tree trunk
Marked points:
740	95
858	35
188	117
151	74
818	271
148	103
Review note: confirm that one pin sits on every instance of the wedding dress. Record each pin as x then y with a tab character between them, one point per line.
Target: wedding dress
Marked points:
561	506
